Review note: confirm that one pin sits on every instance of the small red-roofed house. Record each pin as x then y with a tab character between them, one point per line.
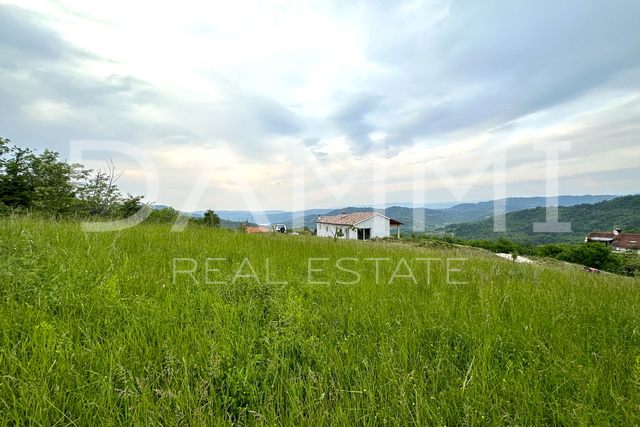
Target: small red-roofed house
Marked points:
257	230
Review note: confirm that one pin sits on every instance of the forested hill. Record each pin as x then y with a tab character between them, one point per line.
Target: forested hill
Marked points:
621	212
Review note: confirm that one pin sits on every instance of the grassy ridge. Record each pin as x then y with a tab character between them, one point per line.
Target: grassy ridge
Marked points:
94	331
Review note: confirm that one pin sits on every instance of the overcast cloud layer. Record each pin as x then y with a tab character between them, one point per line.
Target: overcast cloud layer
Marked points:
438	81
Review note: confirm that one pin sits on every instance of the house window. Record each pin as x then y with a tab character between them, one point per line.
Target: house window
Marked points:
364	233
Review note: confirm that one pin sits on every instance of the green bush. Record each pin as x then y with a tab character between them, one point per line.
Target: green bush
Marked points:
592	254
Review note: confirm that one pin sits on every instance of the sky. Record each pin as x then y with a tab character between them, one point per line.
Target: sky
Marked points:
272	105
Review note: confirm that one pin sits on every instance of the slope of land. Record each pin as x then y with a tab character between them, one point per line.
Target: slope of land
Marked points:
621	212
212	327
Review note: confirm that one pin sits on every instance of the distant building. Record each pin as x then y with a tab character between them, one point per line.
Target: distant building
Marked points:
618	241
357	225
257	230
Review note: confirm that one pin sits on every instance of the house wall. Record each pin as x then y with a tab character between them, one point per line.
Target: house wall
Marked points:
350	234
329	230
624	250
379	226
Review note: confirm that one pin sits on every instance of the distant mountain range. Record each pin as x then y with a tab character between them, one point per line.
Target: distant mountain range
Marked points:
286	217
429	220
621	212
274	217
433	217
426	219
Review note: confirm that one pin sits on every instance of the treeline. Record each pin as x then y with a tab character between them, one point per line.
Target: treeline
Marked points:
45	183
31	182
169	215
592	254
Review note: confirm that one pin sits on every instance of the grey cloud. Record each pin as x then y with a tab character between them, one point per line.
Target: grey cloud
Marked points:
101	108
106	111
25	38
311	142
274	118
448	68
614	181
80	90
484	64
350	119
600	132
247	122
37	64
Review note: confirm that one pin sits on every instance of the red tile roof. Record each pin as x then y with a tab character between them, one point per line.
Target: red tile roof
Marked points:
352	218
257	230
346	219
622	240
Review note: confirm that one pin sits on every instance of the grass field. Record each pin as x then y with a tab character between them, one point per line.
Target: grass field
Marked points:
94	330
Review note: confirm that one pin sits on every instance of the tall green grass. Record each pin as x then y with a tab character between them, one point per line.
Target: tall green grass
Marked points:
94	331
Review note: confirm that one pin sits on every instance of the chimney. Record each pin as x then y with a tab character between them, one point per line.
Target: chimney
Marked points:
319	217
618	230
344	213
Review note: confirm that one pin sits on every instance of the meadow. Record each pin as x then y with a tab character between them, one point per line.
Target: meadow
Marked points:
149	327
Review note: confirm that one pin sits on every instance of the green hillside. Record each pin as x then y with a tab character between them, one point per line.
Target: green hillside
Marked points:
151	327
603	216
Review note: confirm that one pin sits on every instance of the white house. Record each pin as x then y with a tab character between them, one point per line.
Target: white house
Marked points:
357	225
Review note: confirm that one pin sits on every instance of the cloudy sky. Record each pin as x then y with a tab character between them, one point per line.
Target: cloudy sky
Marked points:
250	90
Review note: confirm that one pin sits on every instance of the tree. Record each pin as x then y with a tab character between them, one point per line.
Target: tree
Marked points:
164	215
504	246
629	264
211	219
592	254
99	194
550	250
40	182
4	148
48	184
129	206
55	183
16	181
339	231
